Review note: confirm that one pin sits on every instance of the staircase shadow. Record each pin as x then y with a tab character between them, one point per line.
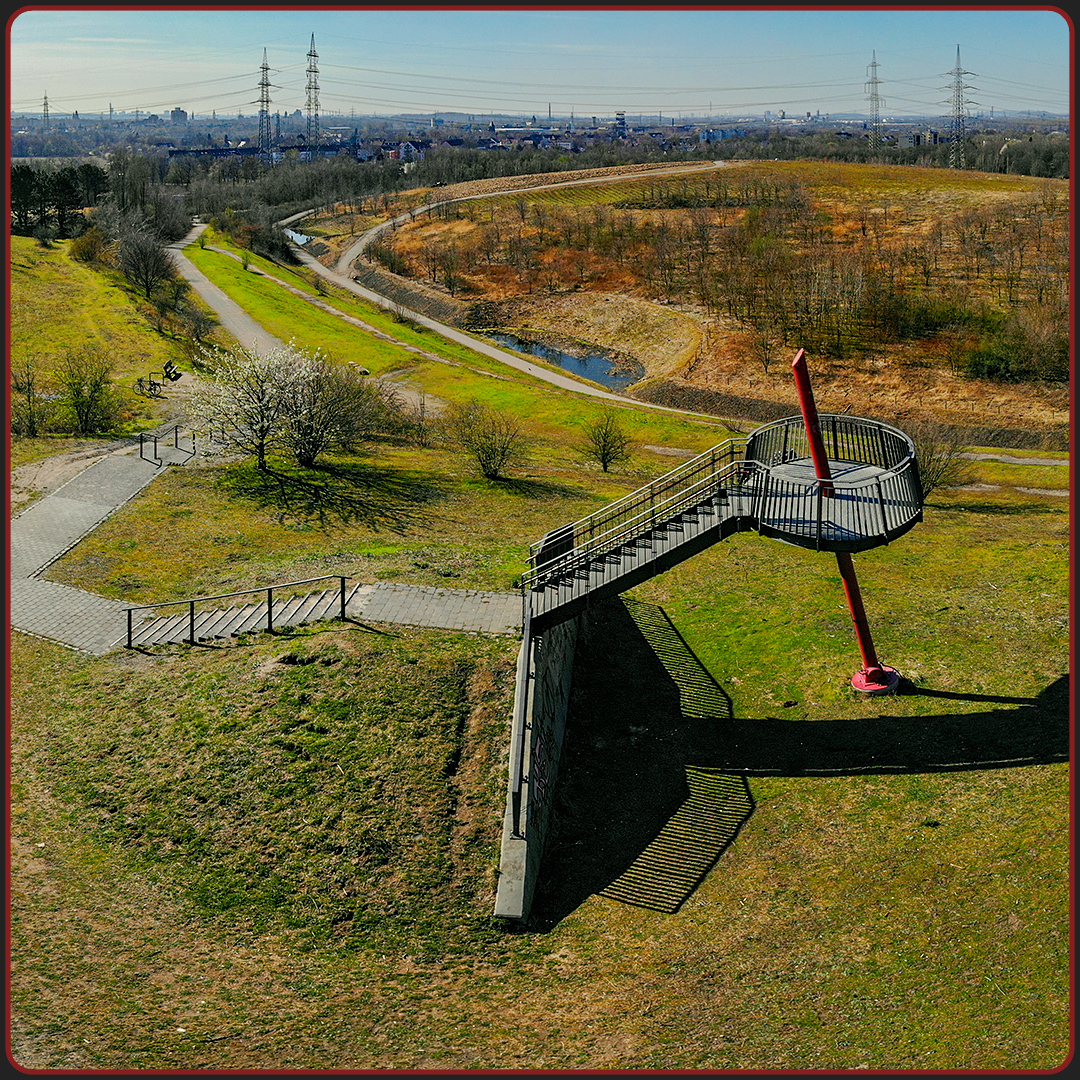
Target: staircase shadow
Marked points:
641	812
653	784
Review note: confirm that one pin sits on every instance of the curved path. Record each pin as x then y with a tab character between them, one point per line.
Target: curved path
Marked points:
341	276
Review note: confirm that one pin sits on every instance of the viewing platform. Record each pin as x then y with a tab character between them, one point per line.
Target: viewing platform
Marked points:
766	484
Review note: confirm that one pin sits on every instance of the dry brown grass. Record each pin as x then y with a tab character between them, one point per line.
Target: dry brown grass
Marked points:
605	302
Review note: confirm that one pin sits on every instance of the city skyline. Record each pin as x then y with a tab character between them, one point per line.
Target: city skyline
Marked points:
562	61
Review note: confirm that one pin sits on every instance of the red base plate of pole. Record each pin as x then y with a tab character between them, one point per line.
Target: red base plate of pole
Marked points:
880	680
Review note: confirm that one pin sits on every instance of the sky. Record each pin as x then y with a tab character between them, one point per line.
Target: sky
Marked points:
652	61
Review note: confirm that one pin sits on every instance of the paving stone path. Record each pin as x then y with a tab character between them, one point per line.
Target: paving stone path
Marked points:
55	523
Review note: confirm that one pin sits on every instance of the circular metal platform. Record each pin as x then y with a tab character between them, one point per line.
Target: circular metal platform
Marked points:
873	495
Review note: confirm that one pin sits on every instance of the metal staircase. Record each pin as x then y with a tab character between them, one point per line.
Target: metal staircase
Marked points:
765	483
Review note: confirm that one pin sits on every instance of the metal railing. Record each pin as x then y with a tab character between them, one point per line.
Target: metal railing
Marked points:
846	438
519	726
156	459
268	590
839	513
854	512
566	547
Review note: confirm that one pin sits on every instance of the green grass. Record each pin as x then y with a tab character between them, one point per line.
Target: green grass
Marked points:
59	305
281	853
1049	477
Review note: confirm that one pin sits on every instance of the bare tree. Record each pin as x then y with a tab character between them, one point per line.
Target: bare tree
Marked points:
493	440
143	260
604	440
939	451
84	381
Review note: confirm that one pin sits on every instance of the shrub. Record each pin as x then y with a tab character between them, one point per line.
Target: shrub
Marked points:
32	407
86	391
493	440
90	246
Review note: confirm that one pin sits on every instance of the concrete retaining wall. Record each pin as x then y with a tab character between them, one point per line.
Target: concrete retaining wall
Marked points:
548	673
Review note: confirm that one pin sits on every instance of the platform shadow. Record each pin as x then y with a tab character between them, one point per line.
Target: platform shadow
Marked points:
654	780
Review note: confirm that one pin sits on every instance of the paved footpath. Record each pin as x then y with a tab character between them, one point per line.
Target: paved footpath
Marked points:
55	523
230	314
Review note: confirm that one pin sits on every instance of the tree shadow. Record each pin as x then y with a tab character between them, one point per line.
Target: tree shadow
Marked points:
535	489
340	493
1000	509
653	783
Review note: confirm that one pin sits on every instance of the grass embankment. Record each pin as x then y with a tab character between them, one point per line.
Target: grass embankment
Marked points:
294	838
59	305
281	853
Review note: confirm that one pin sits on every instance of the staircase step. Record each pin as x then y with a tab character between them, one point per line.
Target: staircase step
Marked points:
161	628
285	611
215	621
252	619
314	607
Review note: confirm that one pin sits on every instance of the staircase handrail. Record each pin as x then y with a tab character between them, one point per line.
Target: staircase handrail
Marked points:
267	589
648	492
631	527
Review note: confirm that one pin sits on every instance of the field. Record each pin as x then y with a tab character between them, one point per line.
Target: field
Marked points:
281	853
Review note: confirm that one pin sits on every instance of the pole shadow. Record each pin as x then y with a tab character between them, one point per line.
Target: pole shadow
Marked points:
654	780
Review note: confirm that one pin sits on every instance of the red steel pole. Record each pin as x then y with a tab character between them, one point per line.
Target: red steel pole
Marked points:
873	678
810	419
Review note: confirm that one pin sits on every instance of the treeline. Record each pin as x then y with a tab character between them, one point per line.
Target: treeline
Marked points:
1040	154
54	201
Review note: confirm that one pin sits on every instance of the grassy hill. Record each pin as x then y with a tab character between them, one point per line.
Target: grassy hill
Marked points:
281	853
59	305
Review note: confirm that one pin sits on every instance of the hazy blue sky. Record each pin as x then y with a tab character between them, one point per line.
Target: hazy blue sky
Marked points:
523	62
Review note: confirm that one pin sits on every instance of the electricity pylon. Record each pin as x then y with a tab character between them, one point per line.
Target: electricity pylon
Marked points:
876	102
264	111
958	136
313	134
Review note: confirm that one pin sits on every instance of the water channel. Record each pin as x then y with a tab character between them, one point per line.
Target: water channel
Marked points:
598	369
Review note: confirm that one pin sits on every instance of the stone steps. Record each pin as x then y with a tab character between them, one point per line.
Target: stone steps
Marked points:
216	623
